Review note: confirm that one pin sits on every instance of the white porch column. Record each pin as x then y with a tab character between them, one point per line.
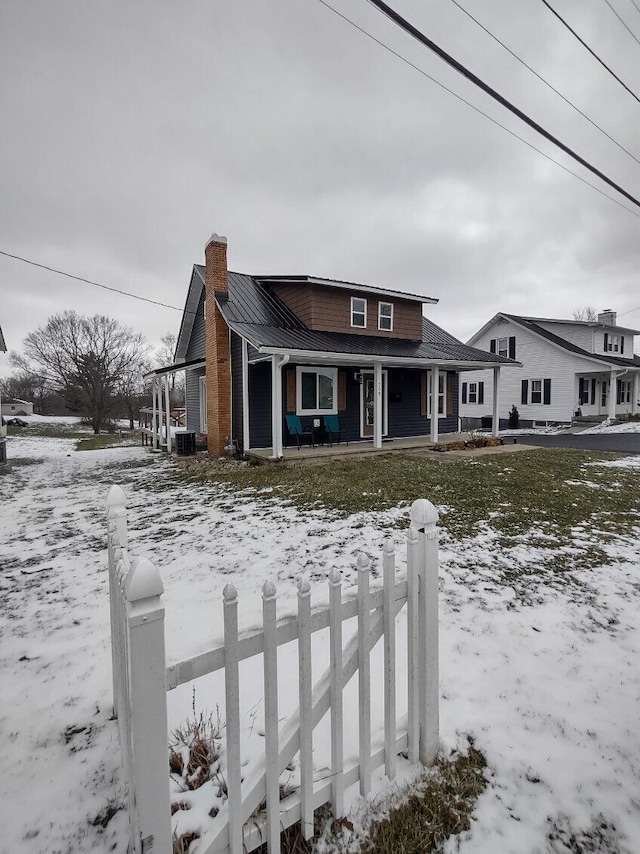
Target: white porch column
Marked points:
377	405
613	394
435	387
636	393
167	404
276	407
155	424
245	395
496	402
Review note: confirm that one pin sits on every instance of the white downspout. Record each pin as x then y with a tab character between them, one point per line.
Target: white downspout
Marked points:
435	388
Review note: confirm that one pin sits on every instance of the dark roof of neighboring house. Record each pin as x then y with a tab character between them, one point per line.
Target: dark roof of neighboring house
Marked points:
258	315
530	324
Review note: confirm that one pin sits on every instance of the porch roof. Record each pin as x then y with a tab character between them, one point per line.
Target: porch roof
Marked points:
177	366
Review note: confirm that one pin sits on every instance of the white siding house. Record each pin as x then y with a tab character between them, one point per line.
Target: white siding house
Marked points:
568	369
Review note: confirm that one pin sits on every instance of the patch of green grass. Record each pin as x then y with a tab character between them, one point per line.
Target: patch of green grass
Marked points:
552	491
107	440
51	431
436	807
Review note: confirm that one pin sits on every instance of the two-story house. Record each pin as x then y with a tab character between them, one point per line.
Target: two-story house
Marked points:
567	368
258	348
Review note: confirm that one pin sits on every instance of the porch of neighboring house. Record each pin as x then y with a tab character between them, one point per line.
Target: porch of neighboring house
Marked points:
160	424
607	394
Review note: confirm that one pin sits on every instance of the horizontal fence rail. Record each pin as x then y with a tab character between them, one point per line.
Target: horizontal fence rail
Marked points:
254	812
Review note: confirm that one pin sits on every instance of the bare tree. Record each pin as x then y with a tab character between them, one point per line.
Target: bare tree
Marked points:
86	359
587	312
165	356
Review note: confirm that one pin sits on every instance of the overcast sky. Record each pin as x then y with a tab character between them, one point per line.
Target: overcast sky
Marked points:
130	131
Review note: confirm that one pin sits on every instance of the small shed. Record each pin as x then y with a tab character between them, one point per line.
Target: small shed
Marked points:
12	407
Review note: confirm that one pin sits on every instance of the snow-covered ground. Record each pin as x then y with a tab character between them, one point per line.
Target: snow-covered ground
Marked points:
623	427
550	689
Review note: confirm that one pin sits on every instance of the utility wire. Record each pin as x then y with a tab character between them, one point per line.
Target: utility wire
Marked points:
627	28
477	109
592	52
636	5
546	82
90	282
461	69
628	311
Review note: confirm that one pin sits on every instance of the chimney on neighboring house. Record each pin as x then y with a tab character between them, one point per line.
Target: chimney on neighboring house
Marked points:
218	351
607	317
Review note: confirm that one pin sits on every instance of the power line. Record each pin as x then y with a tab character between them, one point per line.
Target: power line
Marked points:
636	5
546	82
89	281
628	311
592	52
476	109
461	69
624	24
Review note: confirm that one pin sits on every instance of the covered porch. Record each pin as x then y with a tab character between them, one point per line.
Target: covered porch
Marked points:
382	403
608	393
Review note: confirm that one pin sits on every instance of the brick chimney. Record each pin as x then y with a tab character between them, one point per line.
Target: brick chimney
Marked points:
218	352
607	317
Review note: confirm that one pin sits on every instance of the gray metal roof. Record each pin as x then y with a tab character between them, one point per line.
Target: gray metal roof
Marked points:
256	314
3	346
532	326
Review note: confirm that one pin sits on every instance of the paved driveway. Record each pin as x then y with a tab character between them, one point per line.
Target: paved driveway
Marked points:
624	443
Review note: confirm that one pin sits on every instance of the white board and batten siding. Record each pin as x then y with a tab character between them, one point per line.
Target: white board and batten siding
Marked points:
540	360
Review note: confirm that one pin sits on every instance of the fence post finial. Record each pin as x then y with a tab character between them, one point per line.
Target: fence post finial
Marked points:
143	581
268	590
363	562
424	516
116	497
229	594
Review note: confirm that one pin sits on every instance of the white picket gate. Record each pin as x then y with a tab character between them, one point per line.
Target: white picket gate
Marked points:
141	680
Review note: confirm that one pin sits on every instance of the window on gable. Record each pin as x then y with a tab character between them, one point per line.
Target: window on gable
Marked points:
317	391
359	312
385	316
612	343
503	347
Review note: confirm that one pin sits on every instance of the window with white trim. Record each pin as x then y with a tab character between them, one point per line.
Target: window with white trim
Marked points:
503	347
441	391
316	391
359	312
536	391
612	343
385	316
473	392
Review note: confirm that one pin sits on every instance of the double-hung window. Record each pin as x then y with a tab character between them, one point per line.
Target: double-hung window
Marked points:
441	388
473	392
359	312
503	347
536	391
385	316
317	391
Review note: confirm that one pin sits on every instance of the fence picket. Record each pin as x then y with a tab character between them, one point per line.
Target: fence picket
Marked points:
232	700
306	704
337	723
364	674
412	647
389	618
270	661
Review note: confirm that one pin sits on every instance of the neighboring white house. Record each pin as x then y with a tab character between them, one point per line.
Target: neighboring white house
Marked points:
13	406
568	368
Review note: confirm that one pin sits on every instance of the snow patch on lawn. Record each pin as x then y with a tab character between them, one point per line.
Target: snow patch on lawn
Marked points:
540	669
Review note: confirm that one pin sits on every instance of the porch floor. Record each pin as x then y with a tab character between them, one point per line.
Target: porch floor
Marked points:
359	448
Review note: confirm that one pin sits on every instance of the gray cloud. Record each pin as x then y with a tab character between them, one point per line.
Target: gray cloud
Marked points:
133	130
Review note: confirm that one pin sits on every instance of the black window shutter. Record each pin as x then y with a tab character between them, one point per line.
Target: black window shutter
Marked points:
547	391
606	341
481	392
622	343
464	392
492	345
512	347
524	398
593	391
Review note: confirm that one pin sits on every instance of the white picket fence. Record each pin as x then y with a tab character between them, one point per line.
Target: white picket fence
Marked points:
141	679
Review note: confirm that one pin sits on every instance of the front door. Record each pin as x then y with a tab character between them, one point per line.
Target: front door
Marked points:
367	398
